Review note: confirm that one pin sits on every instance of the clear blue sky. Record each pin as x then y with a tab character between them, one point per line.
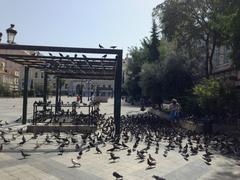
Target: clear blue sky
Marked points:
80	23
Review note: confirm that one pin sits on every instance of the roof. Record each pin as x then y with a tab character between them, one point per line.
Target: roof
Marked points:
66	62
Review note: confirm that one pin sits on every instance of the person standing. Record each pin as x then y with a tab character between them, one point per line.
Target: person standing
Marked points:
174	110
78	98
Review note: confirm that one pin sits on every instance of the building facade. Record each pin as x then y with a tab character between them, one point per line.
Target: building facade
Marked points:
73	87
9	75
222	66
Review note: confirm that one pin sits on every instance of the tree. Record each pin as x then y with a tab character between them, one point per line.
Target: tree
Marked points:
228	24
151	81
189	22
154	44
177	77
138	56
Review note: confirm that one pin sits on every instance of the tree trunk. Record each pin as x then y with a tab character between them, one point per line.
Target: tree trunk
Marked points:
211	55
207	56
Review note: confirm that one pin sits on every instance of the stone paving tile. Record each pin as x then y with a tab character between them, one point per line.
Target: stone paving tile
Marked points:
98	166
4	157
24	172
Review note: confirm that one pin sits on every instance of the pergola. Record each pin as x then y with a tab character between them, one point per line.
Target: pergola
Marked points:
82	63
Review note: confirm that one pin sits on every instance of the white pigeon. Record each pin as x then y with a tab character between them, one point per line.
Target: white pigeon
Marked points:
75	162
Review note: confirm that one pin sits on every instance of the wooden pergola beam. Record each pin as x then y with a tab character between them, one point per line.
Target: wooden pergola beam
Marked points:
61	49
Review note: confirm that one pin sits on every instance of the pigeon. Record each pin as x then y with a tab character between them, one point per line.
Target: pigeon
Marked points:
100	46
151	158
75	163
129	152
98	150
113	47
140	156
80	153
104	56
13	137
23	141
77	147
6	141
124	145
88	148
60	148
111	149
117	175
74	140
61	54
84	56
1	147
150	163
113	157
20	131
24	155
50	54
48	141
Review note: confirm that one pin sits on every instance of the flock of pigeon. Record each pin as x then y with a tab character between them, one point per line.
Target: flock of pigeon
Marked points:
83	55
146	130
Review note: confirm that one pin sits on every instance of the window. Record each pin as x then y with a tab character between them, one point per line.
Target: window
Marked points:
66	86
36	75
226	58
217	56
109	86
42	75
104	86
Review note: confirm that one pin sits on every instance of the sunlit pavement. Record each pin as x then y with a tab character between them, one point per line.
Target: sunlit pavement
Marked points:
45	163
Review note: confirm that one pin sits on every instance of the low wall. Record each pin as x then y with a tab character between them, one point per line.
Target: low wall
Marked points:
189	125
161	114
228	129
62	128
102	99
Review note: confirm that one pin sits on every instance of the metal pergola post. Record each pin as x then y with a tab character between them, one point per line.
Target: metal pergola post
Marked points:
45	91
117	94
88	89
57	95
25	95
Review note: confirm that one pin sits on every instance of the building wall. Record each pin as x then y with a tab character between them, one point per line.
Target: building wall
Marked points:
105	87
222	66
9	74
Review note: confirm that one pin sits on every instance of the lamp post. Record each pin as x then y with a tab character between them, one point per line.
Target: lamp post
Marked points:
11	33
0	37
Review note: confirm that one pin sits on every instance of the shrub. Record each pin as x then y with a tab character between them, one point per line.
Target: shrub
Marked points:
216	97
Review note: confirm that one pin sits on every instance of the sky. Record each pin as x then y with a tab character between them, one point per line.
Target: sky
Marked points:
78	23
